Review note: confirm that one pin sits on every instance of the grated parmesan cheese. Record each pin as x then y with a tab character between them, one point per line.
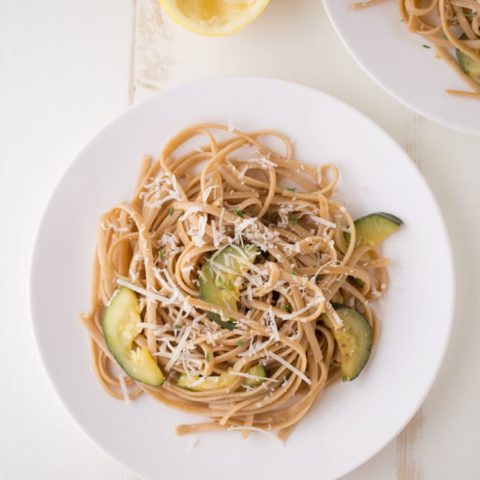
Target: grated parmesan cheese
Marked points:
334	315
198	232
142	291
272	325
123	388
148	326
207	192
252	377
313	302
178	350
189	211
289	366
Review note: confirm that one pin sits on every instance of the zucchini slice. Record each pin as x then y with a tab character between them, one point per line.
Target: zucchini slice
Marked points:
469	66
373	229
220	276
354	339
197	383
120	327
259	372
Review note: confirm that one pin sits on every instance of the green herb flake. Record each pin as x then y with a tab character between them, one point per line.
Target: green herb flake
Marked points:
177	326
170	211
288	308
294	273
240	343
238	212
291	189
294	219
162	254
207	357
426	46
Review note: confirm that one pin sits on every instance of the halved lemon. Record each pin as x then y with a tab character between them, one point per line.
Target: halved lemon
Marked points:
213	17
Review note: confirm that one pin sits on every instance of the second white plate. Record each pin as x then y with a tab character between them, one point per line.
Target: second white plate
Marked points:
398	61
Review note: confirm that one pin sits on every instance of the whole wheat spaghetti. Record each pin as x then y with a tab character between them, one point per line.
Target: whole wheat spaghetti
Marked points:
234	191
453	28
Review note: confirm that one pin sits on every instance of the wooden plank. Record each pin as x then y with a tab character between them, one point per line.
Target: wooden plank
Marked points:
133	50
408	456
154	38
449	438
407	444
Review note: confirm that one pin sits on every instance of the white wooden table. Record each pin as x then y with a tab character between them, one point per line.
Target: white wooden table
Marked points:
66	68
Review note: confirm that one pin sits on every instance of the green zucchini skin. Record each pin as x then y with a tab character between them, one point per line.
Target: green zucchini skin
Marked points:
256	371
196	383
120	327
374	228
218	287
468	65
354	339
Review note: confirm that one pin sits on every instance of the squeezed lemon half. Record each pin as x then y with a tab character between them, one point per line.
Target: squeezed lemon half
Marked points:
213	17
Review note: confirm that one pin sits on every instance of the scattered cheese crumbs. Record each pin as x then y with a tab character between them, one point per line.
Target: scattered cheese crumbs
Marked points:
336	319
207	192
123	388
218	267
252	377
210	338
142	291
176	353
162	183
148	326
111	298
255	348
323	221
256	429
198	232
313	302
170	242
243	225
289	366
259	158
177	293
189	211
272	325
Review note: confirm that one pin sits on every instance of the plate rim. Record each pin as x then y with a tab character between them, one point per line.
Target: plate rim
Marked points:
373	76
436	367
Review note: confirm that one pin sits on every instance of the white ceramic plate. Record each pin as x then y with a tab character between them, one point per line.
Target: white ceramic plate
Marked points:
397	61
353	420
